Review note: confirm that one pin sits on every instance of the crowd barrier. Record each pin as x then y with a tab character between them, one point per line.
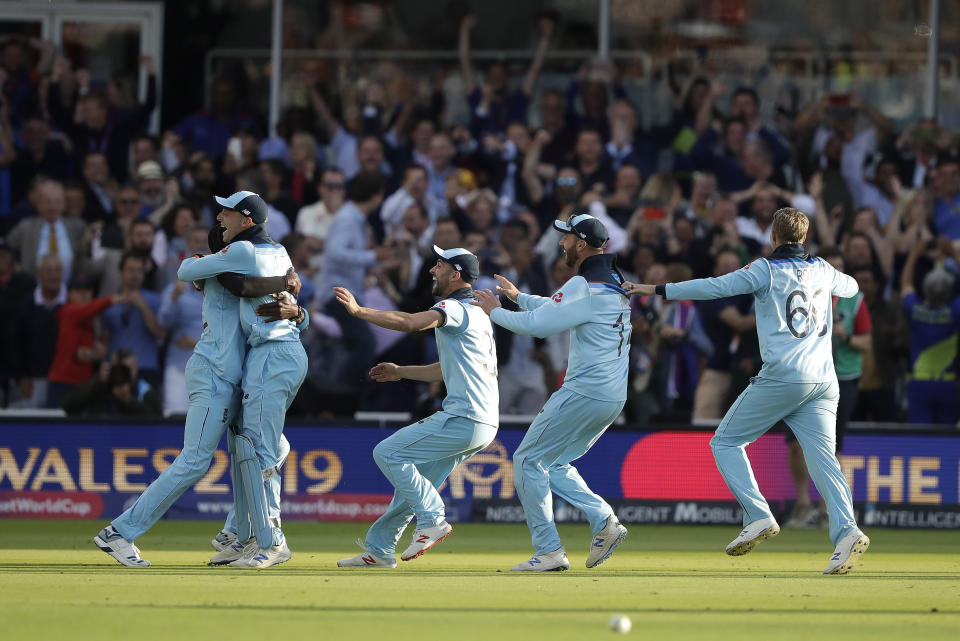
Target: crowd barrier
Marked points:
71	470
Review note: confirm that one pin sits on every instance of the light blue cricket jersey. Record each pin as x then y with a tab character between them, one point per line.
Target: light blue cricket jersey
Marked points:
593	306
222	342
258	256
793	308
468	359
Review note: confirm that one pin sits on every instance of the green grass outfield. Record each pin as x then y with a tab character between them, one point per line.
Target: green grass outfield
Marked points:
673	582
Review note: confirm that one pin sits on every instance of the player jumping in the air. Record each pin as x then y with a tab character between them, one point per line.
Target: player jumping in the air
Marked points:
797	383
596	310
419	457
273	371
213	376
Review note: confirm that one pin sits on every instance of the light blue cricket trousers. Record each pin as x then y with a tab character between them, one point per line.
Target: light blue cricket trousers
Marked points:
564	430
272	375
214	404
810	409
272	485
417	459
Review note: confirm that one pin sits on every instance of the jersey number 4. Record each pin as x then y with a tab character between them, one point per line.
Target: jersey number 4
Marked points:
621	328
803	314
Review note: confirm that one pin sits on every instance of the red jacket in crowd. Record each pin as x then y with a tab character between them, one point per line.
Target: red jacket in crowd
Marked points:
75	330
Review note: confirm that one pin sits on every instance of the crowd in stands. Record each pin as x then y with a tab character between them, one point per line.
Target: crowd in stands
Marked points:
96	215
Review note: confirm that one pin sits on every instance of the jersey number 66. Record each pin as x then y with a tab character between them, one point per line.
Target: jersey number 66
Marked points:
803	318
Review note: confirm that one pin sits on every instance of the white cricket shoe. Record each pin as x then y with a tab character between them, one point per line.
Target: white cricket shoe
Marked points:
606	541
223	540
555	561
847	552
234	551
264	557
425	539
367	560
755	532
124	551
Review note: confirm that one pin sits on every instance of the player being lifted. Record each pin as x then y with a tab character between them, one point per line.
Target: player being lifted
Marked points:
596	310
214	373
419	457
797	383
273	370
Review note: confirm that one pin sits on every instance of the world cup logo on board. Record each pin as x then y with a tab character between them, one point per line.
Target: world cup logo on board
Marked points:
482	470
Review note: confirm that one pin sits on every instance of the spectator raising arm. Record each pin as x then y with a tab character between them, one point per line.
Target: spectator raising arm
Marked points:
911	213
825	224
705	113
882	246
397	134
530	80
327	120
141	116
811	115
342	142
909	267
883	124
48	53
463	48
531	167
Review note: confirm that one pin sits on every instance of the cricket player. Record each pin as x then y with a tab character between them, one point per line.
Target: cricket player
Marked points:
596	310
213	376
797	383
273	371
419	457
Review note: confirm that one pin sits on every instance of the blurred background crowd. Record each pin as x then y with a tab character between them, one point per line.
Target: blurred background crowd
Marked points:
375	158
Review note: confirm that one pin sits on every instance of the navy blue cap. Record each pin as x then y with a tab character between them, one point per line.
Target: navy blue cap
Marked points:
586	227
247	203
463	261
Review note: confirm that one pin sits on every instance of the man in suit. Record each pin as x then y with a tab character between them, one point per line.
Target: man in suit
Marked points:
48	232
99	188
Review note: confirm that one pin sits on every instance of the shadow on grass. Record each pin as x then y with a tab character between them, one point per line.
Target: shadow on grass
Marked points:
607	574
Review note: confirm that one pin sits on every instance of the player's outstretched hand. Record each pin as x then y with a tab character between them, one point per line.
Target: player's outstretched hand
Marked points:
636	289
345	298
283	306
485	300
293	282
385	372
507	288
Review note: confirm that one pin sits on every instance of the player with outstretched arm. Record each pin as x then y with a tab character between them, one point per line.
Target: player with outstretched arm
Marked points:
596	310
419	457
797	383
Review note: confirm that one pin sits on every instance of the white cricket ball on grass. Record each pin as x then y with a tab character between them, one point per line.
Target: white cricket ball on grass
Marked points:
620	623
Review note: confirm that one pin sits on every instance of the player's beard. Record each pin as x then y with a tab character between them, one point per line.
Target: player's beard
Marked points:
571	259
436	287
